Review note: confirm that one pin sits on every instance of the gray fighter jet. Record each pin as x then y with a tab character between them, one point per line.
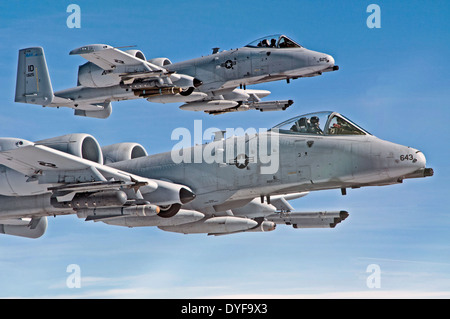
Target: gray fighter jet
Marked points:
238	184
214	84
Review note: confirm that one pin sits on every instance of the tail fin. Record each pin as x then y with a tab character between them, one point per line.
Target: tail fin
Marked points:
33	81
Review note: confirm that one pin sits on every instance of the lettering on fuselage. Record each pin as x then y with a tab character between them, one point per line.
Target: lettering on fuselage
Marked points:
249	147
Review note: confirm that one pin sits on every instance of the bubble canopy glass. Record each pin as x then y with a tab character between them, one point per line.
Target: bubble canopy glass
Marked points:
274	41
320	123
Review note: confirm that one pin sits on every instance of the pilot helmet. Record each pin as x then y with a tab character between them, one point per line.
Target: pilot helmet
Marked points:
314	120
302	121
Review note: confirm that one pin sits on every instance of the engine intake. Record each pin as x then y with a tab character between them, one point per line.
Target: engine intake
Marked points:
136	53
160	61
79	144
122	152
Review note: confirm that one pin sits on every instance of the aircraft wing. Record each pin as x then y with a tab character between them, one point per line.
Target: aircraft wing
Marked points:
109	58
68	173
127	66
131	67
65	175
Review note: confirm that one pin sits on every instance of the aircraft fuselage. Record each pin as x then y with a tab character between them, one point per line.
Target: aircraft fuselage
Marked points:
224	70
294	164
246	66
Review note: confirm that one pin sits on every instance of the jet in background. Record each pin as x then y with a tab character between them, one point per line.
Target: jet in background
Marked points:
214	84
232	185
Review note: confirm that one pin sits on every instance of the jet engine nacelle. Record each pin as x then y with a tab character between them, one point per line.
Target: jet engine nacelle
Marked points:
78	144
93	76
122	152
137	53
162	62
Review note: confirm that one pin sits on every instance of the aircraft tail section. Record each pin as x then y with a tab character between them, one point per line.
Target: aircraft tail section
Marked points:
33	83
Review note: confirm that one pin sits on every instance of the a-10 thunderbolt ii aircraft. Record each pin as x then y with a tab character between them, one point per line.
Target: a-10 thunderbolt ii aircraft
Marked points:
212	83
238	184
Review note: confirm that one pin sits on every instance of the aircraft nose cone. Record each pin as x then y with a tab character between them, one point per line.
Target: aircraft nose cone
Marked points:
418	164
330	60
421	161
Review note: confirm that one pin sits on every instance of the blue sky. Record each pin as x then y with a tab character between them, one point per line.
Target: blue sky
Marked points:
393	81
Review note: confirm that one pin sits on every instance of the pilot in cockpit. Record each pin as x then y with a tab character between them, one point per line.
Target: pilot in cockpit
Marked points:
264	43
273	43
314	127
300	125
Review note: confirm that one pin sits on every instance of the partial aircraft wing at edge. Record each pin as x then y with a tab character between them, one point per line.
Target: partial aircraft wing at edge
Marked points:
52	165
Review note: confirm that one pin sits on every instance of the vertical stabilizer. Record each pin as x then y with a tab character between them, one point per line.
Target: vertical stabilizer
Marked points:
33	81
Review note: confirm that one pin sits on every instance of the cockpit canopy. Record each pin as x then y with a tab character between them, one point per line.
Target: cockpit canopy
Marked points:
321	123
274	41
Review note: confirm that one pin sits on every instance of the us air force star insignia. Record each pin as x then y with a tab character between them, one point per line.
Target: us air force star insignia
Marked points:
229	64
241	161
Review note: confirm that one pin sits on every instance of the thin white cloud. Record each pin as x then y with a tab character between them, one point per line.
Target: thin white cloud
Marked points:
384	260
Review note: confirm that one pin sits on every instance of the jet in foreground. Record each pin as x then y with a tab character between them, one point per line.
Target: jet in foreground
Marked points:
238	184
212	84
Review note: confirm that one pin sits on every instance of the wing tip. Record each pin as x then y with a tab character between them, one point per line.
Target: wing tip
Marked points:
90	48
